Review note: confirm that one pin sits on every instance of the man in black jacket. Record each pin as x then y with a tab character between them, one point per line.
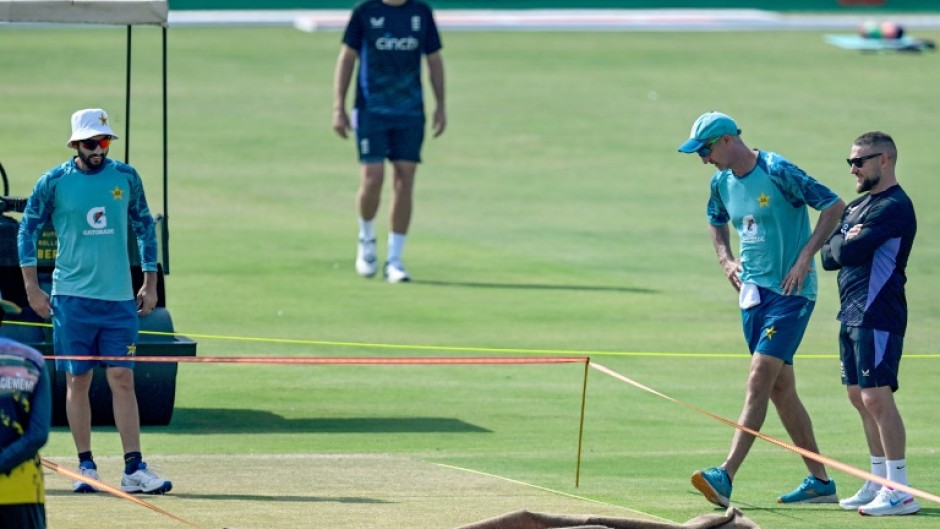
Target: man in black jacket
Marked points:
870	249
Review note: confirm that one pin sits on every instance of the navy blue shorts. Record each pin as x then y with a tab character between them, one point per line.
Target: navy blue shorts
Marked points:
870	358
93	327
23	516
381	137
776	325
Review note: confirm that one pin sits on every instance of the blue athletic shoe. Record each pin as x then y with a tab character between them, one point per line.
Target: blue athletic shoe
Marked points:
87	469
714	484
812	490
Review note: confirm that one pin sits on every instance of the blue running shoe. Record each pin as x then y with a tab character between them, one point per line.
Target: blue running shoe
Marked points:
87	469
714	484
812	490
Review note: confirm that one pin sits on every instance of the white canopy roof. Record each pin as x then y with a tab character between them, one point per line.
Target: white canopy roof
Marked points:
119	12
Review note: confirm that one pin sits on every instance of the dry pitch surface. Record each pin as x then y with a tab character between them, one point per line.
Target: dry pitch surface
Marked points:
296	491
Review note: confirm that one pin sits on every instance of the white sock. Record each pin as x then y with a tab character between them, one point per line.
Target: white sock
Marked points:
878	468
897	471
366	229
396	244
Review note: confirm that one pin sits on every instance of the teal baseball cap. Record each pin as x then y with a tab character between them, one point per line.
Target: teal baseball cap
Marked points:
708	126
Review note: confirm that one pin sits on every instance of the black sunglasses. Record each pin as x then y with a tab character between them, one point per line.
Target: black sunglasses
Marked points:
92	144
706	149
860	161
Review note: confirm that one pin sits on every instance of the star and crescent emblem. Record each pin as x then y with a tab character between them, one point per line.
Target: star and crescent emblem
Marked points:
770	333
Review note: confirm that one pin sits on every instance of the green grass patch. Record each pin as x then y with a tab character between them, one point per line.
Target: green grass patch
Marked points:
554	214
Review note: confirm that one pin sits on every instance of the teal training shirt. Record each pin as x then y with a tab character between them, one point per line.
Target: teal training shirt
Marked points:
91	212
768	208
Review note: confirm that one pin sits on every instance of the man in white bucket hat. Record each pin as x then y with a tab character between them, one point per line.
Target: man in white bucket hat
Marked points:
89	123
92	202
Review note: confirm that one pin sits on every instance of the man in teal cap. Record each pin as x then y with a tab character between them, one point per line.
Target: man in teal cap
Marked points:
765	197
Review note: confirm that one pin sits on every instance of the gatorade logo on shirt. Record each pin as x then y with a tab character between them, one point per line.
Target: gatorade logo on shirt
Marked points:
98	220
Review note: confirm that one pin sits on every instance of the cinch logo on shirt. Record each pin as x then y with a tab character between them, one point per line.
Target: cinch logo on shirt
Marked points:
98	221
393	44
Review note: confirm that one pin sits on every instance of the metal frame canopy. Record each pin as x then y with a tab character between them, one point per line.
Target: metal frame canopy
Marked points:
107	12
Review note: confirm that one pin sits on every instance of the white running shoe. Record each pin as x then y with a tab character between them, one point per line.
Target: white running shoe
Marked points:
890	503
366	262
144	480
395	273
88	470
864	496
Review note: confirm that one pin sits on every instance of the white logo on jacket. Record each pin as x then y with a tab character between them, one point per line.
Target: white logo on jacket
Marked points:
98	220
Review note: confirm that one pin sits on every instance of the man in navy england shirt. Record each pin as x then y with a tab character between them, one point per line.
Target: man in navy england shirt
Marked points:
388	38
870	249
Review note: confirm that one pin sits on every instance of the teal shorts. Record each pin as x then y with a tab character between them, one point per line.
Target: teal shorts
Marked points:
776	325
93	327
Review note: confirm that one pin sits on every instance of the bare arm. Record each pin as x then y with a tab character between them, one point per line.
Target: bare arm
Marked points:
436	75
828	220
721	240
147	295
38	298
344	69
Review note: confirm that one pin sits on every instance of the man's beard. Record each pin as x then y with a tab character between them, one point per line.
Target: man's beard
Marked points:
868	183
89	164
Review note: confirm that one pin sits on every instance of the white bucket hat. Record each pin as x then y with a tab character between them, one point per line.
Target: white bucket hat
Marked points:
89	123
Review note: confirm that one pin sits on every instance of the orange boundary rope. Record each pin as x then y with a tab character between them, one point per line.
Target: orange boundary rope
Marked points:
315	361
326	360
848	469
112	490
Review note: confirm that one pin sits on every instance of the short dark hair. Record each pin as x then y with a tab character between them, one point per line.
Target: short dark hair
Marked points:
878	139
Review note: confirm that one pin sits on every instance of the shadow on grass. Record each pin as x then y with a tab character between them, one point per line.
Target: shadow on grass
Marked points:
526	286
200	420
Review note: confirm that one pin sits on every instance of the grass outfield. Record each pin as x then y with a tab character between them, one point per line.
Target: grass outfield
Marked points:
554	214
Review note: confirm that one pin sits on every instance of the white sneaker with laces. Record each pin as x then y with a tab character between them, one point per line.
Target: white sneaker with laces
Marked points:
864	496
890	502
395	272
88	471
145	480
366	262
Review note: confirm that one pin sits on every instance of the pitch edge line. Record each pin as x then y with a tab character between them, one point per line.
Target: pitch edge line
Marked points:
552	491
838	465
